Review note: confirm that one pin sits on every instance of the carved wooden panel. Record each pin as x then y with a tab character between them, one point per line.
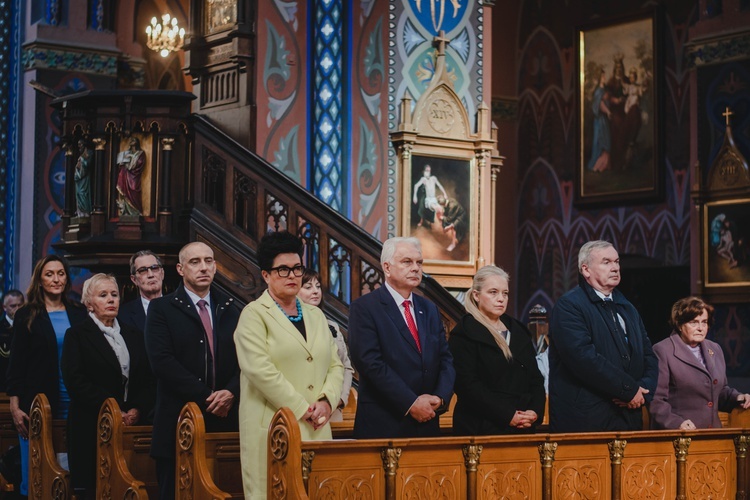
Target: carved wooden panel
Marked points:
428	483
512	481
586	478
349	484
647	478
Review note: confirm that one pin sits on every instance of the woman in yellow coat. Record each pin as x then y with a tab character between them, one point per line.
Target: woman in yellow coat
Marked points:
287	358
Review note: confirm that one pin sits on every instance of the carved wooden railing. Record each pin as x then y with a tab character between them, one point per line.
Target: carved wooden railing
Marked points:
47	480
239	197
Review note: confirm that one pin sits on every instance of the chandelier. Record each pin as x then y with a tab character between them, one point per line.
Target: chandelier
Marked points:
164	38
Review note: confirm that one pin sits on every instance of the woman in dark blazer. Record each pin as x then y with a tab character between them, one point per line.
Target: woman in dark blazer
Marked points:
692	385
102	359
498	384
39	329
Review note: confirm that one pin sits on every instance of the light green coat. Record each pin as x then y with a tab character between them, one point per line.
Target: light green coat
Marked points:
279	368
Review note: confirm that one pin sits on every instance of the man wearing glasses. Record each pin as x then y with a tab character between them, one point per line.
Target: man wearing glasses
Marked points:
147	274
189	342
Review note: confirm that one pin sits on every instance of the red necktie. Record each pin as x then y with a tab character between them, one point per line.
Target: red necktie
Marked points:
206	320
411	324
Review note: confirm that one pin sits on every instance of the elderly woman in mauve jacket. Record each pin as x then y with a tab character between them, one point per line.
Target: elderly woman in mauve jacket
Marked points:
102	359
692	386
34	365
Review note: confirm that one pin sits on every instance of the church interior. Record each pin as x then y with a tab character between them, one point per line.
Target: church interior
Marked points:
334	119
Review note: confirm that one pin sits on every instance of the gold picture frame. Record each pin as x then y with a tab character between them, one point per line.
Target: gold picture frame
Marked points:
726	257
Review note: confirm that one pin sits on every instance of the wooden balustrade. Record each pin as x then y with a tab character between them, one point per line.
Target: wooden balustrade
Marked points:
126	470
47	480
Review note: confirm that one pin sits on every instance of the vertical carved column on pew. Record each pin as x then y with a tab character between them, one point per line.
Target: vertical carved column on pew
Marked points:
472	452
681	446
616	454
740	448
547	456
284	456
390	458
307	460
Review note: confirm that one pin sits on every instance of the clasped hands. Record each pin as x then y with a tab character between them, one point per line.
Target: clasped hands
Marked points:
131	416
638	400
317	414
220	402
523	419
424	408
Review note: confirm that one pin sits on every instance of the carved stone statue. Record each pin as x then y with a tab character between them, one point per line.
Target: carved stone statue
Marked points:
132	161
82	179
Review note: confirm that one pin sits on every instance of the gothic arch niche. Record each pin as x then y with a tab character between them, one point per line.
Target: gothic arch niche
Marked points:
448	174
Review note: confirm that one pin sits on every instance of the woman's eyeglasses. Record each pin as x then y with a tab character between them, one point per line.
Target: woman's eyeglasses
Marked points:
285	270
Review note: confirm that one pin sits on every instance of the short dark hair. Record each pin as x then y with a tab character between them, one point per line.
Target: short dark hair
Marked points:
142	253
689	308
276	243
13	293
309	275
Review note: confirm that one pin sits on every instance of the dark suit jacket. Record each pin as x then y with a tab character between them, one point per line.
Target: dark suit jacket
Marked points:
132	314
392	373
92	374
34	366
6	337
590	363
687	390
180	359
490	389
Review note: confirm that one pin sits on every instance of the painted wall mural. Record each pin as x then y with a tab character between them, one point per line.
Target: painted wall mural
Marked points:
413	26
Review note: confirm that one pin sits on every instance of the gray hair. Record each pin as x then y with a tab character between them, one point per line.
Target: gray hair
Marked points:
472	307
390	245
584	254
90	284
142	253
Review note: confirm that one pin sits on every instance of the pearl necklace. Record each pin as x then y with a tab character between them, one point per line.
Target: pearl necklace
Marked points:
293	319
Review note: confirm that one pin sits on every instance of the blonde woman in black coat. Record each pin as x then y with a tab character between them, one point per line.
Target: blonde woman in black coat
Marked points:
102	359
498	384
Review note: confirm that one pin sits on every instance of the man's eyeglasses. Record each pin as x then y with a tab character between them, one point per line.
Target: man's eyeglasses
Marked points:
284	271
144	270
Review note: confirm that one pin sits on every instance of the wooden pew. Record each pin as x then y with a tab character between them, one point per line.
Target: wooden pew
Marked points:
46	438
8	437
662	464
208	464
125	468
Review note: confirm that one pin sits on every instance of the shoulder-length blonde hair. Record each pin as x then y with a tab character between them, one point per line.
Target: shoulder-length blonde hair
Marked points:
472	306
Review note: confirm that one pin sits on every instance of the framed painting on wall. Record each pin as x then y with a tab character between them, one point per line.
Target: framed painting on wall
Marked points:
726	256
618	146
438	207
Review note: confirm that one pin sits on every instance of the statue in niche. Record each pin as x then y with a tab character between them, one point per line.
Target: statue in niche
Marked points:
82	179
131	162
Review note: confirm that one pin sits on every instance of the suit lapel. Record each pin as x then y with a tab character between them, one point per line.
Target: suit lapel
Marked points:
683	353
393	311
95	337
616	335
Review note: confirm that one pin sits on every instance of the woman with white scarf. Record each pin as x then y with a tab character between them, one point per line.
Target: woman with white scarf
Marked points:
102	359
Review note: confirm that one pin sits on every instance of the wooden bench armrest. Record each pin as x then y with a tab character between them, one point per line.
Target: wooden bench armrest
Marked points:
192	475
285	456
46	478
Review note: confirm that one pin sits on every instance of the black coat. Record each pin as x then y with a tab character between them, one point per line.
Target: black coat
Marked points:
132	314
180	359
92	374
34	366
6	337
489	388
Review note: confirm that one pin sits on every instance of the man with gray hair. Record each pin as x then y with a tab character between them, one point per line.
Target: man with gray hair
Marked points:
602	367
147	274
398	345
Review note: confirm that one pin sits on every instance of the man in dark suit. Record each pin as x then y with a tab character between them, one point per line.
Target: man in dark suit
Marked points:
189	341
602	367
147	274
12	300
398	345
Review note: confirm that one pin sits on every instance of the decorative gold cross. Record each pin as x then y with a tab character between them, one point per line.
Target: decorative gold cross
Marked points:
726	114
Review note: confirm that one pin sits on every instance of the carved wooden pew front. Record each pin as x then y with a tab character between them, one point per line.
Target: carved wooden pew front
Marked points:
47	480
657	464
125	468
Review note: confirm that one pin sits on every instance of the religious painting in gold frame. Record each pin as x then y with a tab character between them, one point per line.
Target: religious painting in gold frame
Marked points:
438	208
221	15
726	255
618	93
